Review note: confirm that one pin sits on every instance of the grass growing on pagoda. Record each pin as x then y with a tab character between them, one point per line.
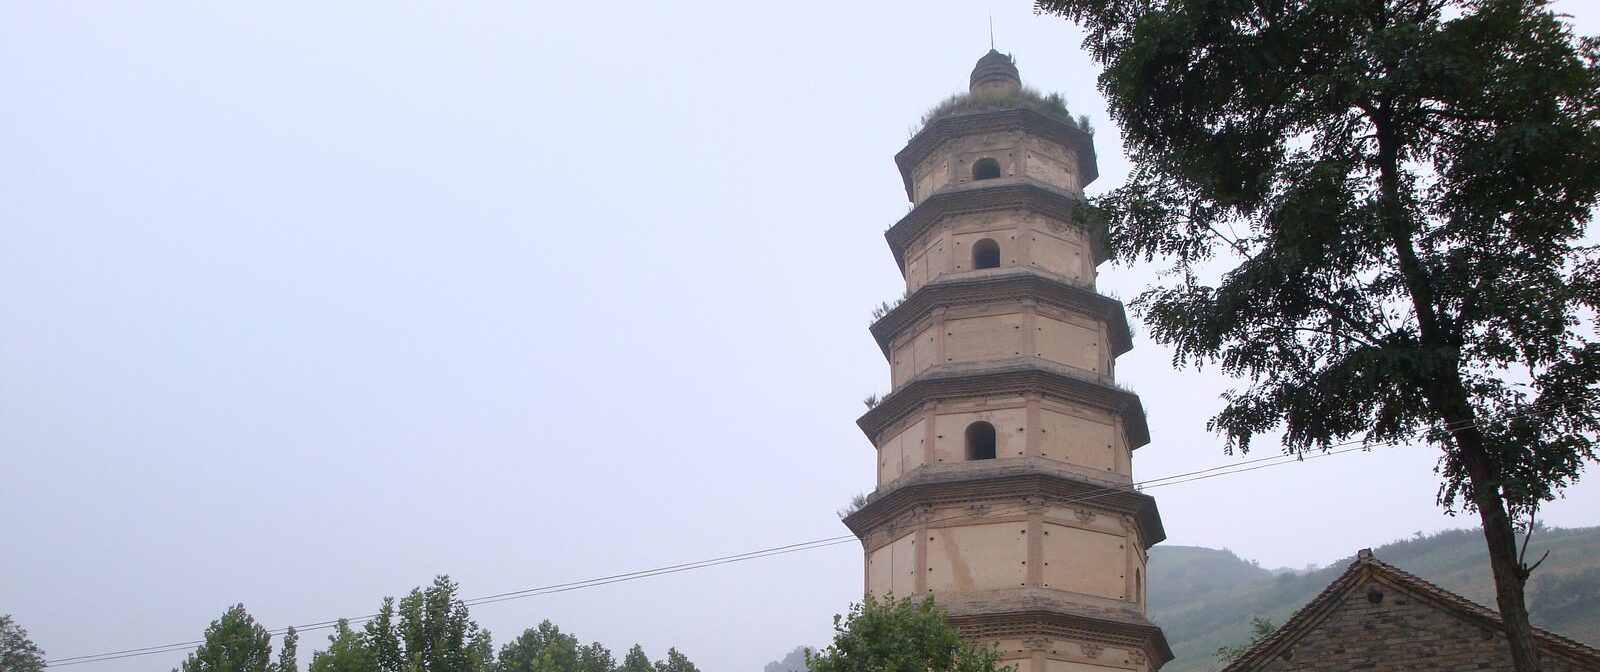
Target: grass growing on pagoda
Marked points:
1052	105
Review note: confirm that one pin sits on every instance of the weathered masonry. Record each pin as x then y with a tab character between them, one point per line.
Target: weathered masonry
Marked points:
1005	447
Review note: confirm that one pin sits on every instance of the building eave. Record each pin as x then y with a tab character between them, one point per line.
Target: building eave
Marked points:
1001	481
1365	568
989	286
1021	375
1019	193
944	129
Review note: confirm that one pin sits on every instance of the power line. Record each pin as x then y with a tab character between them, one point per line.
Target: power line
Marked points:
1099	492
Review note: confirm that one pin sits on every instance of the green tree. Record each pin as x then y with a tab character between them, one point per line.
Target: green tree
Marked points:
636	661
794	661
347	651
17	652
541	649
287	655
899	636
1401	188
233	643
596	658
675	662
437	633
383	638
1260	628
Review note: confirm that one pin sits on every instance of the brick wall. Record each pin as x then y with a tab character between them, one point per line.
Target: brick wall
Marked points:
1379	626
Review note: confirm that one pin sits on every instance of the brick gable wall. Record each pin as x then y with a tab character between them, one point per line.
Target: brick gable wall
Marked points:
1399	631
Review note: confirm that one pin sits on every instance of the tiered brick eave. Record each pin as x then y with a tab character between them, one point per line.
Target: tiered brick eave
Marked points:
1036	481
1047	622
1002	285
944	129
1004	194
1019	376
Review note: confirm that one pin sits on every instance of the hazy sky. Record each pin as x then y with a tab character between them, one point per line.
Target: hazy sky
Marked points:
302	304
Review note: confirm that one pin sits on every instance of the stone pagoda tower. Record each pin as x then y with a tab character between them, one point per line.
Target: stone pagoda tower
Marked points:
1005	446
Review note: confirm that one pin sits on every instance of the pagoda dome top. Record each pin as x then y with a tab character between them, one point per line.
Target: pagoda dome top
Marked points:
995	74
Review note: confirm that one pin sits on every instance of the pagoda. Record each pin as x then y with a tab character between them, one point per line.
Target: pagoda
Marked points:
1005	480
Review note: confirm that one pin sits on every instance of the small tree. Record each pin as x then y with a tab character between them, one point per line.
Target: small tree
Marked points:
675	662
17	652
383	639
541	649
636	661
347	652
233	643
596	658
1260	628
899	636
287	655
438	634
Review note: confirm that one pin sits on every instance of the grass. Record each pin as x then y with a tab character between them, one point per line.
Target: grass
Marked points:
1051	105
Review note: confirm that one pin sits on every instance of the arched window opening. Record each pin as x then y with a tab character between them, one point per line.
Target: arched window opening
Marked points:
986	254
1138	587
985	169
980	441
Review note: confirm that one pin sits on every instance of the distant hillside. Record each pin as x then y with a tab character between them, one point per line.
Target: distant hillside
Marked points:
1203	598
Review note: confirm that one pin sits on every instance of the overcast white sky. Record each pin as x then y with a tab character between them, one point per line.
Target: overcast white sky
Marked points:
301	305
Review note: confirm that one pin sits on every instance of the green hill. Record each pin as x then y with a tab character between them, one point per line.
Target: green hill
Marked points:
1203	598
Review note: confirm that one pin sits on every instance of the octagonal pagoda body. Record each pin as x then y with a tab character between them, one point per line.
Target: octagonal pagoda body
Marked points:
1005	480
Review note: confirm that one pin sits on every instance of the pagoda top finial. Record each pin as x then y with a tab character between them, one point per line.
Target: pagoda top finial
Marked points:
995	75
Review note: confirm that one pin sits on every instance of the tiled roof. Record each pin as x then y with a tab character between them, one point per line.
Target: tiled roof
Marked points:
1366	566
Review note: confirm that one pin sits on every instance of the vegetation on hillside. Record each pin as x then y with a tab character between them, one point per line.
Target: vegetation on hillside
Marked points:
1204	599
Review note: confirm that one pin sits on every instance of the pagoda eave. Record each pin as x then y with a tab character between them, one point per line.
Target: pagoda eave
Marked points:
989	286
1016	376
944	129
1001	480
1013	193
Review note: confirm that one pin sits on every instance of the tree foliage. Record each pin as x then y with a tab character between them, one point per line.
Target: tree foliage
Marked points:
288	653
899	636
794	661
383	638
1397	193
428	630
17	652
541	649
636	661
675	662
1260	628
438	634
348	651
233	643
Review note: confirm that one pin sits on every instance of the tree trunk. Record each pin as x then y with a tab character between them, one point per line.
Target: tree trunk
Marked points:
1510	578
1450	400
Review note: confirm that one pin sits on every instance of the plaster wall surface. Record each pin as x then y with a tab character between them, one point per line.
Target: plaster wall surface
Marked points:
995	332
1019	155
1083	437
1025	239
954	549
